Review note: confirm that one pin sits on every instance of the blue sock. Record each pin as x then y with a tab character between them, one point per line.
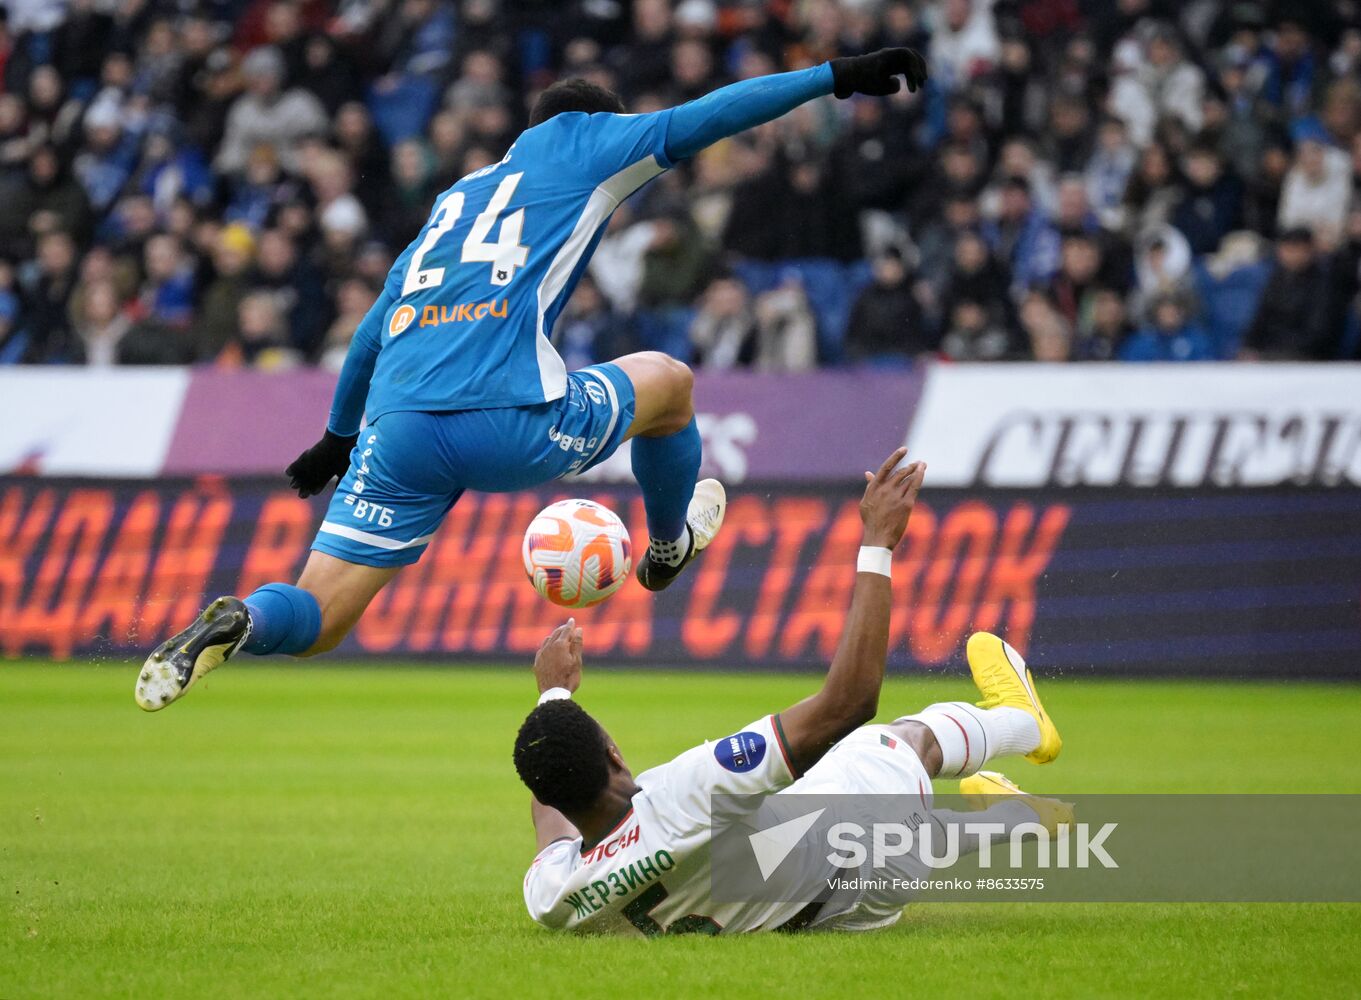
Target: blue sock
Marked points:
666	469
283	619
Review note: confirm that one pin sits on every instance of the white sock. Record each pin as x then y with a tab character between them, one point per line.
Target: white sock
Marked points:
970	736
670	553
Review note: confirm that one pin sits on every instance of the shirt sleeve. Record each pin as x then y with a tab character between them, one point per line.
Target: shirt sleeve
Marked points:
347	406
605	145
740	106
752	761
547	878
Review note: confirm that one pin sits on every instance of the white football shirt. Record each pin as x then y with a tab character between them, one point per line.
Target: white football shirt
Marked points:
652	871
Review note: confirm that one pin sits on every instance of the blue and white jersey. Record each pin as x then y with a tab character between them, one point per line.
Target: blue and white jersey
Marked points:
474	297
464	319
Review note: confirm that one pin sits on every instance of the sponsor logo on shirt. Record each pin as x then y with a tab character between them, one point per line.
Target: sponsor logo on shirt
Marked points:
740	752
609	848
464	312
401	319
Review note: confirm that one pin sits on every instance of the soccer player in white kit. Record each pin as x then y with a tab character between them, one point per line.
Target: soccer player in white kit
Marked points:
624	852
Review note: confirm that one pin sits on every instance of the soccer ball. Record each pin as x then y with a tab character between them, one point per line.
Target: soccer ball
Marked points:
576	553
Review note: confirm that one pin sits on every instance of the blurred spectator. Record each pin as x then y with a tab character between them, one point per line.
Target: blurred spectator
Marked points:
964	42
977	276
972	333
1211	202
45	199
1162	264
170	170
262	333
1108	170
723	333
1264	192
1318	188
676	265
46	285
1170	335
108	157
231	263
786	332
1073	287
1022	237
1102	328
352	303
1153	81
1069	135
410	194
296	285
328	72
267	114
1151	194
1290	318
1049	332
363	152
886	321
167	297
260	191
1290	66
101	323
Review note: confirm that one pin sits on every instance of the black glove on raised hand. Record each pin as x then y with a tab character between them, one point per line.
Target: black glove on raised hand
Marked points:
314	469
877	73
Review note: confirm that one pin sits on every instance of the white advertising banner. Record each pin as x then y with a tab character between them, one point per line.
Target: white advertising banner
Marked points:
1174	425
74	422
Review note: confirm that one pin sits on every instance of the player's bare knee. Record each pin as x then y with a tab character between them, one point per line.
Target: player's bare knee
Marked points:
679	383
681	377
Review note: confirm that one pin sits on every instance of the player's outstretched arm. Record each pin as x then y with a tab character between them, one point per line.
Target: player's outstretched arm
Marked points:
556	665
329	458
850	695
749	103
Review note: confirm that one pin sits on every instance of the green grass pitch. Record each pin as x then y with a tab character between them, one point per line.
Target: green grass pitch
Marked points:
317	831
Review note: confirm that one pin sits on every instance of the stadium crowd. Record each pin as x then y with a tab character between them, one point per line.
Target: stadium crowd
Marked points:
228	181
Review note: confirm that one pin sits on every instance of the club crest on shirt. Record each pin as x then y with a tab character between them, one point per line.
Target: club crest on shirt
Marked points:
740	752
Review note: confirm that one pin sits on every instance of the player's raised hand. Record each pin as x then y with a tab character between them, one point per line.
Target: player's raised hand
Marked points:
313	470
877	73
889	497
558	662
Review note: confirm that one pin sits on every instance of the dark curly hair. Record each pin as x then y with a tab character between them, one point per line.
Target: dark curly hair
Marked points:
574	94
562	756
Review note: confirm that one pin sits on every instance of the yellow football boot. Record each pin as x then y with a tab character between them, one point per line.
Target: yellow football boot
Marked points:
1002	678
981	790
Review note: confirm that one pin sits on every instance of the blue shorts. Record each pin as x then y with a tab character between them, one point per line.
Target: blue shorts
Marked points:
410	467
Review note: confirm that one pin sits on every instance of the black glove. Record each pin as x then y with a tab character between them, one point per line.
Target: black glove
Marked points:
314	469
877	73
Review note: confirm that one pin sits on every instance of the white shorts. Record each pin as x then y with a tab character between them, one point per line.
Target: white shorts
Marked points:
870	761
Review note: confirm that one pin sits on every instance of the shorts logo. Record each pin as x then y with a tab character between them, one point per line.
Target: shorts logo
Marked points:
401	319
741	752
596	392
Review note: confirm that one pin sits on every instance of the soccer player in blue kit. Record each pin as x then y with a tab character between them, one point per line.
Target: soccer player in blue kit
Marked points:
461	387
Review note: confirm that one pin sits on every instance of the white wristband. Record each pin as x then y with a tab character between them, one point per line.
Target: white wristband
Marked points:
553	694
874	559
